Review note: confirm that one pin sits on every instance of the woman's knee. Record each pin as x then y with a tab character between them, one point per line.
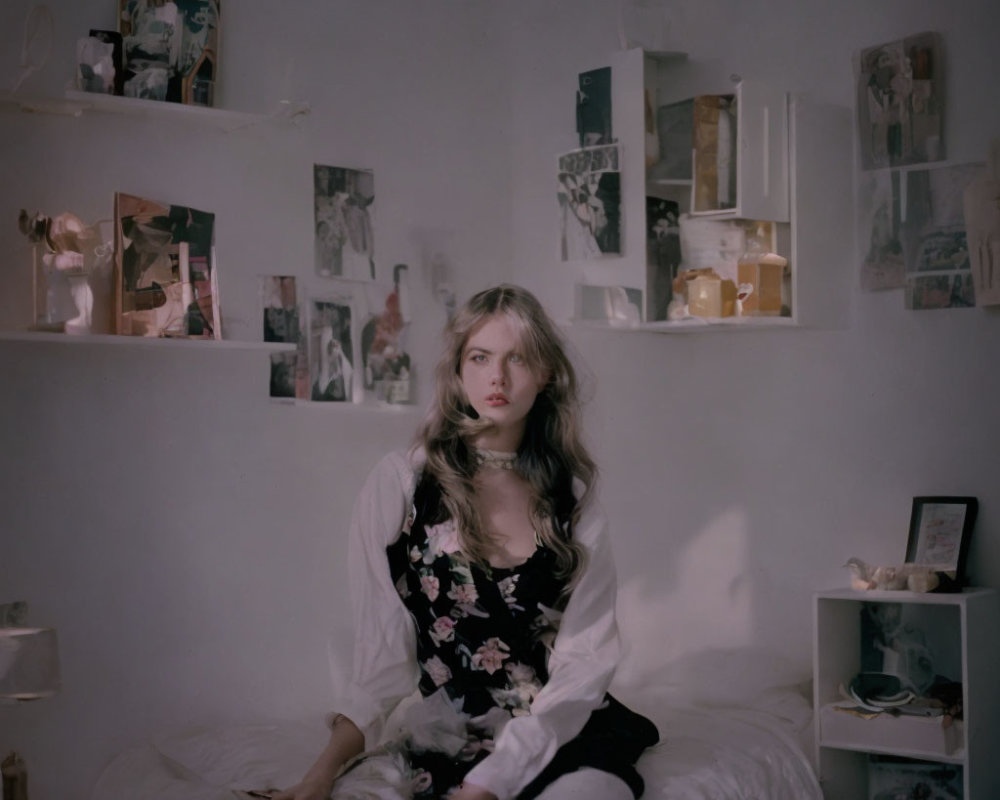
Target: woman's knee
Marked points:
587	783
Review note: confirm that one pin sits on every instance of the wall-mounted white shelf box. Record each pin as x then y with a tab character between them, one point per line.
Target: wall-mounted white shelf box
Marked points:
792	168
963	645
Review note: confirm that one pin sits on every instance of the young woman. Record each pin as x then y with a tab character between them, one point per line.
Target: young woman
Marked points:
482	575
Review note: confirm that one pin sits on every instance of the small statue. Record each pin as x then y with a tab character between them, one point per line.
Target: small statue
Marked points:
71	248
914	577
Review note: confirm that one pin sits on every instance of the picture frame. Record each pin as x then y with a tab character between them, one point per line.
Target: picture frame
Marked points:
940	531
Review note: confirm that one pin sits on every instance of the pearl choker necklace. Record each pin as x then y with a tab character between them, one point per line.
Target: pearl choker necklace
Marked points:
494	458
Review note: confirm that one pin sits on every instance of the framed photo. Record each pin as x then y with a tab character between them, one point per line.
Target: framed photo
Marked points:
940	529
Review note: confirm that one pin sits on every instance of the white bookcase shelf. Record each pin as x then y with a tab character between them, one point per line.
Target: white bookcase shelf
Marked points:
792	159
963	642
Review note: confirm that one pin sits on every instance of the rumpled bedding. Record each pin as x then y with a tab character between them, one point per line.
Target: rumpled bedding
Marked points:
757	752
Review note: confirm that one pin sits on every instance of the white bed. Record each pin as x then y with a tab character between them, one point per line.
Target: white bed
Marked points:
753	751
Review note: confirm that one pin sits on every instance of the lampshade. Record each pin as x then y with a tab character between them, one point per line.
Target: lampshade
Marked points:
29	663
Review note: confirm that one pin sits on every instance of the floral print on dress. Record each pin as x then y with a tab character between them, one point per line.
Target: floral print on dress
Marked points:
478	640
491	655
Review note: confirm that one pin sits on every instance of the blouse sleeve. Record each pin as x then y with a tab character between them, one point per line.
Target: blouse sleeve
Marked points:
581	665
384	669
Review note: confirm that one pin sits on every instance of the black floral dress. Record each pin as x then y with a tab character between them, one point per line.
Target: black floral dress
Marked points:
482	636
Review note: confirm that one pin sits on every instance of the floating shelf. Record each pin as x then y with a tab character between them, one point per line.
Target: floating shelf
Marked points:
692	324
75	103
140	341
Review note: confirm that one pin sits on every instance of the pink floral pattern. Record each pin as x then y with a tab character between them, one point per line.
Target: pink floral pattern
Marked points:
491	655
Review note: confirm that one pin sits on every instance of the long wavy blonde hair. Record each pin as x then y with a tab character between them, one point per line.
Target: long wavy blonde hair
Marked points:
551	454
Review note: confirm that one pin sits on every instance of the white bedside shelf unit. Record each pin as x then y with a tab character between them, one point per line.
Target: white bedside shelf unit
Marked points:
965	644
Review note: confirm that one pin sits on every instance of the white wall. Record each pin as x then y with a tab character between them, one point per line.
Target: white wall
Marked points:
184	535
742	469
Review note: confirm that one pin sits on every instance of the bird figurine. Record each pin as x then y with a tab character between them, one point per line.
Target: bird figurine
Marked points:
916	578
861	574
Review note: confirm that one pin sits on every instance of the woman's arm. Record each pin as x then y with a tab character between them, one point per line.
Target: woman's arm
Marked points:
384	668
346	741
581	666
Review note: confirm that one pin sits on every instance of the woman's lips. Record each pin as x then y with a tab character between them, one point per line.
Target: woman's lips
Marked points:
497	400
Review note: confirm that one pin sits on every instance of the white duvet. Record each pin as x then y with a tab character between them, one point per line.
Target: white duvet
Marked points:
734	753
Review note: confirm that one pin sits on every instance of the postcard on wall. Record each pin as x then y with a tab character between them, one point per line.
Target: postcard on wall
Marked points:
171	50
935	247
593	107
589	195
900	98
282	323
344	212
385	353
982	226
879	224
331	350
165	277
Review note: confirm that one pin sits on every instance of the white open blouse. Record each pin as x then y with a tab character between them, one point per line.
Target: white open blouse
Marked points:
385	669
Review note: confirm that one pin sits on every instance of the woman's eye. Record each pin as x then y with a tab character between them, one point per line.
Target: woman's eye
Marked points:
516	359
479	358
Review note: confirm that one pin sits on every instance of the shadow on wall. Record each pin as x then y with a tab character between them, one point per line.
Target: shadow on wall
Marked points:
689	640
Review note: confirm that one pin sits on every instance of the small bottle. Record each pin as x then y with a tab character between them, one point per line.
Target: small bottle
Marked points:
15	777
748	272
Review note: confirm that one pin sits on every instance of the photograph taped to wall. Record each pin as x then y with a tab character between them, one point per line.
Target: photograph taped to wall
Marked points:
282	323
165	277
982	226
331	350
593	107
385	356
170	49
589	196
879	223
344	213
933	235
900	98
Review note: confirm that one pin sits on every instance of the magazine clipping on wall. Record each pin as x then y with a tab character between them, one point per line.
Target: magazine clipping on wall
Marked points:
385	356
344	213
593	107
171	49
589	195
935	247
165	277
900	102
282	316
879	231
982	227
331	349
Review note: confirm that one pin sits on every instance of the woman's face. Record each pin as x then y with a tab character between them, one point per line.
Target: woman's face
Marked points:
499	384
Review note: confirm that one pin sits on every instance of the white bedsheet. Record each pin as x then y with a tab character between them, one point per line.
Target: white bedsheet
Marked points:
755	753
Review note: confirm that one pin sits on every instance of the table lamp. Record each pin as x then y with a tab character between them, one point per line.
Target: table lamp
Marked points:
29	670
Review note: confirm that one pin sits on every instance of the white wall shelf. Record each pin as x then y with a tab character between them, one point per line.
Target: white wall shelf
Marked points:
45	337
790	171
961	640
75	104
693	325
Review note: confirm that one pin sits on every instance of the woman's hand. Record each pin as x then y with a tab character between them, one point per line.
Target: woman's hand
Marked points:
469	791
